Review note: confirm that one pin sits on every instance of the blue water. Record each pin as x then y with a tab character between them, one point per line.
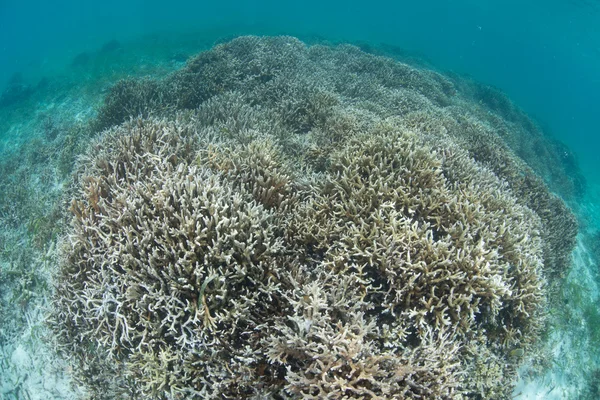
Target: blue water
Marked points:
544	54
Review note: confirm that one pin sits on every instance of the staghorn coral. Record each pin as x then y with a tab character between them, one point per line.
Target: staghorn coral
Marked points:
321	226
181	246
129	97
332	346
303	86
390	205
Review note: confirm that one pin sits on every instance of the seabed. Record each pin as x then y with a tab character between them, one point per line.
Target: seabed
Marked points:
40	139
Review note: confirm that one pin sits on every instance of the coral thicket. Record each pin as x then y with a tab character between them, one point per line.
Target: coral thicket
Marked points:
283	221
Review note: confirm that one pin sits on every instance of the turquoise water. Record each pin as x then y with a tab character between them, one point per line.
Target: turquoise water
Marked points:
473	61
544	55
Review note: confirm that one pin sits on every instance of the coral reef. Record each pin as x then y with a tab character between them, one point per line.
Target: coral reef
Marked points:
549	158
282	221
128	97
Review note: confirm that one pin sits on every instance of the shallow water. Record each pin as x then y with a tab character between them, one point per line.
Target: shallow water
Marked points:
58	62
544	55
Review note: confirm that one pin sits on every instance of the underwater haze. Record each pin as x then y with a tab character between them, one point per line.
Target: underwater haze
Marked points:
317	199
544	55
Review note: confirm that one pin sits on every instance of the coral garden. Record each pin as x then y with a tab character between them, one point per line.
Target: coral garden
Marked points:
282	221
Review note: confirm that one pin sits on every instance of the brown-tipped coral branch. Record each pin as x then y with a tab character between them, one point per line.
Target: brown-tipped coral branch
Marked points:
287	221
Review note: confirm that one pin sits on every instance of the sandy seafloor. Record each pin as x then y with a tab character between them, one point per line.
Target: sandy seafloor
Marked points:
29	369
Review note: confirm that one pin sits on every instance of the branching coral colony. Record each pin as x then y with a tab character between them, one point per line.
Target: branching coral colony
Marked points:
304	222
